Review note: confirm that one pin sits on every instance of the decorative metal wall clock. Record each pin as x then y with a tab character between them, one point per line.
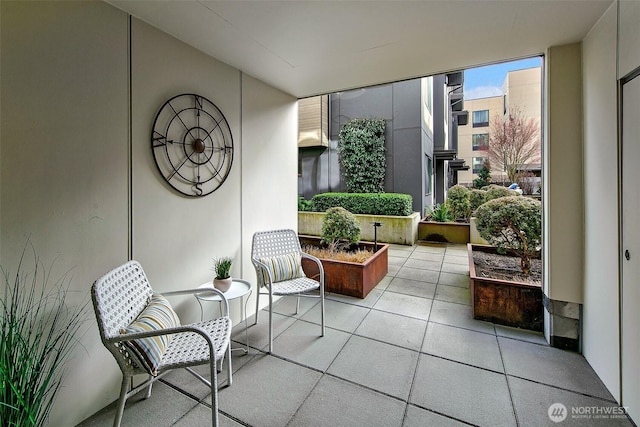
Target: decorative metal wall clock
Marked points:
192	145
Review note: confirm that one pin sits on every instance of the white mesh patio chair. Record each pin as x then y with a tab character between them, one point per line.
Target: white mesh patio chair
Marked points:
123	298
276	256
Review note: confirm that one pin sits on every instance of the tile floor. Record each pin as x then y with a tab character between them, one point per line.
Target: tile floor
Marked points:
410	354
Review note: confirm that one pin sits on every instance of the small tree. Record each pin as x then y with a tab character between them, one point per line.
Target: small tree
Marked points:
495	191
476	198
340	228
362	155
458	202
513	142
484	176
512	224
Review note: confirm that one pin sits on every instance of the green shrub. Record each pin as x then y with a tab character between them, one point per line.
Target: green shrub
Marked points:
362	155
458	202
495	191
303	205
365	203
439	213
476	198
512	224
340	228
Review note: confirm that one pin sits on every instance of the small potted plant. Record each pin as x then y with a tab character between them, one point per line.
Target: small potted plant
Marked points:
222	267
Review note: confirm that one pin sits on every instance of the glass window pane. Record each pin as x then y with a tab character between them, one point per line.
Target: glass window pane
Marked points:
480	118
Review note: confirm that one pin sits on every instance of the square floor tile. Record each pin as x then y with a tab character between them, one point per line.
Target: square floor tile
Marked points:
423	264
449	313
455	268
368	301
382	367
287	305
201	416
258	335
457	259
532	402
396	261
418	417
334	402
521	334
548	365
462	345
418	274
427	256
454	279
338	315
432	248
267	392
470	394
453	294
303	344
384	283
396	252
412	287
165	407
406	305
393	329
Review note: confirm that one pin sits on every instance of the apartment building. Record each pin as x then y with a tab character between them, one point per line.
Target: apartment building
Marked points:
522	90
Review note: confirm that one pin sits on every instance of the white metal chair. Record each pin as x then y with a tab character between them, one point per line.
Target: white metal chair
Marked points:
274	255
119	297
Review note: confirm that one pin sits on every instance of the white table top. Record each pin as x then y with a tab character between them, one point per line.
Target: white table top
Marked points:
239	288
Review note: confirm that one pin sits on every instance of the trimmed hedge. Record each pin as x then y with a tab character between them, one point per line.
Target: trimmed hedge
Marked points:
365	203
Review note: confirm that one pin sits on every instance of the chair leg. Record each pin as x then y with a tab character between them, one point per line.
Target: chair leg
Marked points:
257	305
214	393
270	322
322	309
124	388
229	367
297	304
148	393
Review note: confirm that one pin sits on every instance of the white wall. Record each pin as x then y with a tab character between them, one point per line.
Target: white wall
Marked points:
65	134
562	185
629	36
601	329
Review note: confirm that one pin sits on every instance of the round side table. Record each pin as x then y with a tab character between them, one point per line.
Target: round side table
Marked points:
239	289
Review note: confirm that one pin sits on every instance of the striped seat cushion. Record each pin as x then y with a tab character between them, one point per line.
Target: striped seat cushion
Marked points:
148	352
283	267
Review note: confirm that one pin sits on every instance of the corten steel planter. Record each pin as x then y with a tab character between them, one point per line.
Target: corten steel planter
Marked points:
451	232
349	278
504	302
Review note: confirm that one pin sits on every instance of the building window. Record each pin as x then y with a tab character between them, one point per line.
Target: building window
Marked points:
480	118
428	176
476	163
480	141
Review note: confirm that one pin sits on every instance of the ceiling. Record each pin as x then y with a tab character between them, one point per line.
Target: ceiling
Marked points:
313	47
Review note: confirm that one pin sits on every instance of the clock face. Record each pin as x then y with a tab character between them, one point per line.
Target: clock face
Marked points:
192	145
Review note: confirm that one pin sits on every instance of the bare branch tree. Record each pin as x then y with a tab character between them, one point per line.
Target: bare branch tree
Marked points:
514	141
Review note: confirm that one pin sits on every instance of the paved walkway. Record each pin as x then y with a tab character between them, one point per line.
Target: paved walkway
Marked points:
410	354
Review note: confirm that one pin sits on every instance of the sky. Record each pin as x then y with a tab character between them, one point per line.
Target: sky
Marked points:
487	81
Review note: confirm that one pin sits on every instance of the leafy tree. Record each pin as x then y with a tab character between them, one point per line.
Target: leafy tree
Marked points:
362	155
484	176
512	224
513	142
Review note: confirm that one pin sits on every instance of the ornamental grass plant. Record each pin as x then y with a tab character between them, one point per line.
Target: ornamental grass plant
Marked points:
37	336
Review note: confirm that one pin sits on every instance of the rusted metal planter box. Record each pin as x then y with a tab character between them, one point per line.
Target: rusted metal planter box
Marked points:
349	278
503	302
451	232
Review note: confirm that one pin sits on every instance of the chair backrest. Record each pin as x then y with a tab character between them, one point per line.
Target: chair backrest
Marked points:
118	298
273	243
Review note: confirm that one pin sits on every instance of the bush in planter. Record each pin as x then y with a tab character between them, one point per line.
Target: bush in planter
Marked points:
439	213
512	224
476	198
340	229
458	203
396	204
495	191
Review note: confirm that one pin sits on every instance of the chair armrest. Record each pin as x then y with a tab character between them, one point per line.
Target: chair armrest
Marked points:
199	291
317	261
